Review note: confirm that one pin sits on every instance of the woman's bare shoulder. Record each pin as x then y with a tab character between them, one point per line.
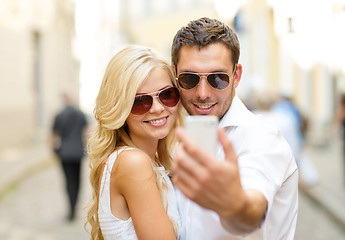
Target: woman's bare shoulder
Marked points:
133	162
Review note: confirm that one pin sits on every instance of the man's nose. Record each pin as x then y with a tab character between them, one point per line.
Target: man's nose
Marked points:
203	88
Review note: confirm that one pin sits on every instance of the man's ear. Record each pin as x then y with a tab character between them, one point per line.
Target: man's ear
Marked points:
237	75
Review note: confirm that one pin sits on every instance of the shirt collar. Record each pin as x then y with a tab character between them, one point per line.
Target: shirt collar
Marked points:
237	115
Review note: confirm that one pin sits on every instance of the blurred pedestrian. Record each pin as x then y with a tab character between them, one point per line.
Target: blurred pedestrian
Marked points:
309	174
136	109
68	134
284	114
264	99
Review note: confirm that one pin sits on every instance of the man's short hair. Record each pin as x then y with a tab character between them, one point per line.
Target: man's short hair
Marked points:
203	32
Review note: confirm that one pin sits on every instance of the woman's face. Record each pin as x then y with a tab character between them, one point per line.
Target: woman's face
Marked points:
156	123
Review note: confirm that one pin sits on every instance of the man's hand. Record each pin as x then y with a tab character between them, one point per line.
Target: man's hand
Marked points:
214	184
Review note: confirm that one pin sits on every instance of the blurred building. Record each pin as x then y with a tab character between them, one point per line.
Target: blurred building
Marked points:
310	66
36	60
290	45
106	26
293	46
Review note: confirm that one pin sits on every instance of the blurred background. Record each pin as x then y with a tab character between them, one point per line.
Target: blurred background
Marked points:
289	48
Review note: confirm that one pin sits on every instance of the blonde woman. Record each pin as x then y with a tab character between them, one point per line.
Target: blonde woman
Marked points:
136	109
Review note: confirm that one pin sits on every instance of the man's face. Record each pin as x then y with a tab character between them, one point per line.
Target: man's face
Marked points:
204	99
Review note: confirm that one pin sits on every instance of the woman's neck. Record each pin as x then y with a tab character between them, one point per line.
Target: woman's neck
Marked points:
149	147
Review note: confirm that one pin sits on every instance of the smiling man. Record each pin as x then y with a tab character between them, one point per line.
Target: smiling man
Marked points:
250	188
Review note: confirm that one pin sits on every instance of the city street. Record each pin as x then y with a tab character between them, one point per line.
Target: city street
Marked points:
36	209
279	56
314	223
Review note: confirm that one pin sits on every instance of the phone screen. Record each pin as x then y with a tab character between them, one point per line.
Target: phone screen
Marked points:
204	130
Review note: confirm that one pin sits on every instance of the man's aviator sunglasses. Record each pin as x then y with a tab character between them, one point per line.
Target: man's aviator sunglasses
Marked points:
217	80
168	97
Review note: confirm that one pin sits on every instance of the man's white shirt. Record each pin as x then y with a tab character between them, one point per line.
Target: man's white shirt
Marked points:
266	164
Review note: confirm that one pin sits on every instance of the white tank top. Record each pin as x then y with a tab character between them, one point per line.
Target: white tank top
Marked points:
111	226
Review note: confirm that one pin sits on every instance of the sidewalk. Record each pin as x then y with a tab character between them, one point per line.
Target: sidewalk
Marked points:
34	203
17	164
330	191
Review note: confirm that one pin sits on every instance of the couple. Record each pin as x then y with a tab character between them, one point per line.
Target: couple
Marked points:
250	194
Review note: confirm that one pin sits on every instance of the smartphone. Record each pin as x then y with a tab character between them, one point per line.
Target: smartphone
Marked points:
203	129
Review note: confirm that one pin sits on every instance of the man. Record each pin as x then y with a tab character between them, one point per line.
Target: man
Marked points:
252	191
68	133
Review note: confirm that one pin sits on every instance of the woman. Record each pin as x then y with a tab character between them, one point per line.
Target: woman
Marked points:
136	109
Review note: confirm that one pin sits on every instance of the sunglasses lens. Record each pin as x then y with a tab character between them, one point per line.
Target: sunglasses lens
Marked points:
218	80
169	97
141	104
188	80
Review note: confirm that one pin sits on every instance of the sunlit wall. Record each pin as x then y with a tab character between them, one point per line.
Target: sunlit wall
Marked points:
293	46
36	60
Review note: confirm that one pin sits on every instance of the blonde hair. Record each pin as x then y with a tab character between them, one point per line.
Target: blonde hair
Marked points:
124	74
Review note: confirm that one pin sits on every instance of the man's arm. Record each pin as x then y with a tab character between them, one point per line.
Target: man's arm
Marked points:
249	219
216	185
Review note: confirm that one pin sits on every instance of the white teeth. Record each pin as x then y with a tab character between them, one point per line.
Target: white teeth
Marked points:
204	106
157	121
